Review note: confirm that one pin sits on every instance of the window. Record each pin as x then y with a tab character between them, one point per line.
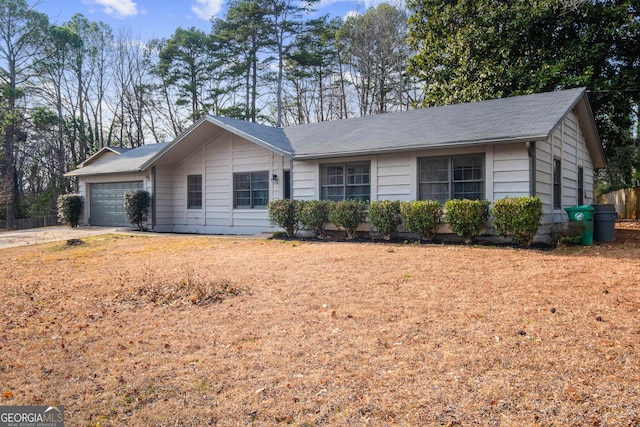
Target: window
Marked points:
454	177
580	186
346	181
557	184
194	192
251	190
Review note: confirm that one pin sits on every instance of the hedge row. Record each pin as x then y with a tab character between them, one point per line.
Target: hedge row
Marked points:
517	218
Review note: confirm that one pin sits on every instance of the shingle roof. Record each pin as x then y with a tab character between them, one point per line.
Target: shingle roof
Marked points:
261	134
519	118
523	118
127	161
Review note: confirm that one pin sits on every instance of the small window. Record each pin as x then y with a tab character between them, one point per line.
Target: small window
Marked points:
453	177
580	186
194	192
557	184
251	190
346	181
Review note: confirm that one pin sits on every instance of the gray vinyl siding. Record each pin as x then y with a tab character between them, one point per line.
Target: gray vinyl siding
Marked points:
510	171
217	161
396	177
304	176
567	143
163	199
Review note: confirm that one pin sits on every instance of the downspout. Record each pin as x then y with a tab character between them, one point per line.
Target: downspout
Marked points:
531	150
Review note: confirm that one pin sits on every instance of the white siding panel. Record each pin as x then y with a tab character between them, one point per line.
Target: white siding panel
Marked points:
164	197
509	171
395	173
304	176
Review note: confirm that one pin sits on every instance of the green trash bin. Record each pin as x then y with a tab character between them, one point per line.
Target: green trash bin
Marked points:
584	214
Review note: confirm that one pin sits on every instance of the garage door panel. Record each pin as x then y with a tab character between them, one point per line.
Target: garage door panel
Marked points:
107	202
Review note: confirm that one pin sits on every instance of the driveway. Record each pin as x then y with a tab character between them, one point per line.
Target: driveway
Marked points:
34	236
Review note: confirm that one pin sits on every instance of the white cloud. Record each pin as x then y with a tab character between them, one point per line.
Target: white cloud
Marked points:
121	8
205	9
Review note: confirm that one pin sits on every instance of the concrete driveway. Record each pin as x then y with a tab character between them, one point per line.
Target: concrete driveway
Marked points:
34	236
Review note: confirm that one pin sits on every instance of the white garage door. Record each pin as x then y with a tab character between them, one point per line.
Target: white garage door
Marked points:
106	206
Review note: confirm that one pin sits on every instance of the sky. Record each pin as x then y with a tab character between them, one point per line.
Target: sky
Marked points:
149	19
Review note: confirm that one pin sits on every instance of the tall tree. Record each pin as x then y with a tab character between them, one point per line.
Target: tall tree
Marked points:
467	51
285	22
245	35
187	59
314	57
20	34
55	62
377	53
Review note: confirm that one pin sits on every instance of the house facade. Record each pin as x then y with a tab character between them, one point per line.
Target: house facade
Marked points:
219	176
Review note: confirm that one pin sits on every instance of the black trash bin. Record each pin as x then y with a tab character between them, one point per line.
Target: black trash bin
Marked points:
604	222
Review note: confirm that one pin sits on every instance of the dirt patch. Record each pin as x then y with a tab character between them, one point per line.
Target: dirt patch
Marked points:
336	334
36	236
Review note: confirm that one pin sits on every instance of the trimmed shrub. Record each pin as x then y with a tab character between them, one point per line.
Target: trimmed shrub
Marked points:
283	213
314	215
69	209
423	217
384	215
466	217
518	218
348	215
136	206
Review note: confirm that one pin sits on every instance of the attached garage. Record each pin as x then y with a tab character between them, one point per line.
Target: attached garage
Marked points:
106	202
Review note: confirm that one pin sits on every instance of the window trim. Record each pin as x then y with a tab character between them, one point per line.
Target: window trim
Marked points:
251	190
345	182
194	195
580	185
556	183
450	172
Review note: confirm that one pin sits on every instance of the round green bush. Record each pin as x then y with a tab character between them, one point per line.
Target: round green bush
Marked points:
69	209
466	217
348	215
518	218
423	217
314	215
283	213
384	215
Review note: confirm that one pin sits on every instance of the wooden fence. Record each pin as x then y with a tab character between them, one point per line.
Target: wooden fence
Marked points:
41	221
626	201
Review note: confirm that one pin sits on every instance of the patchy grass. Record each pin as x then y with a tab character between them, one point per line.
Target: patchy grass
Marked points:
336	334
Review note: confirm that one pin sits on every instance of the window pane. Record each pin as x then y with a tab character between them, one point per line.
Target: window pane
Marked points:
359	192
468	190
333	175
243	199
436	191
333	193
194	191
243	181
467	168
349	180
260	198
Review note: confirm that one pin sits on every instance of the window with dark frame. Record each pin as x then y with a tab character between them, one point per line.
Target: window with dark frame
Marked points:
451	177
251	190
580	186
557	184
351	181
194	191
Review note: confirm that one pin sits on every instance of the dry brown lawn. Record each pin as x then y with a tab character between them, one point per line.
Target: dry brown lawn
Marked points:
188	330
